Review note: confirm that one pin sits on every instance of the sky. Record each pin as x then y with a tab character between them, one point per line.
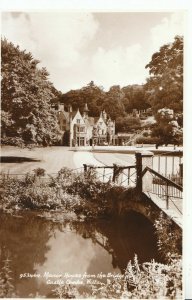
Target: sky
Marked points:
109	48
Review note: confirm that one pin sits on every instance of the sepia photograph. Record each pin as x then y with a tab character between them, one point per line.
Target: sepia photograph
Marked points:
91	179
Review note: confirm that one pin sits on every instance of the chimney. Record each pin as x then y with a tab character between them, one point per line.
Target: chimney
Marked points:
85	111
61	107
104	115
70	108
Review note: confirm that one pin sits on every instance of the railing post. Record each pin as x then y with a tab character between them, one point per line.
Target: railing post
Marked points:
85	168
139	171
167	196
128	175
144	159
181	170
116	172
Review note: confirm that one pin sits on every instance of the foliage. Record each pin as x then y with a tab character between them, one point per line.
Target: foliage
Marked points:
39	172
34	191
13	141
6	280
69	191
135	98
150	280
117	102
154	280
91	94
165	86
147	140
66	292
113	103
169	238
26	94
127	124
167	129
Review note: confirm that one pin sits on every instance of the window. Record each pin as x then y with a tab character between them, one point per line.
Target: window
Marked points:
82	141
82	129
78	121
103	131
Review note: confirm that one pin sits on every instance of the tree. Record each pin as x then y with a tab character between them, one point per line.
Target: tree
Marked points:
26	94
164	88
127	124
90	94
134	98
167	129
113	104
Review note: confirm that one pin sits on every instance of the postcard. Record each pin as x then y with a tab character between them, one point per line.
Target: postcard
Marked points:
92	105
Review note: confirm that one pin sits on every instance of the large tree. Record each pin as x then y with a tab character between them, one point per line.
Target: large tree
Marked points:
91	94
165	85
26	95
113	103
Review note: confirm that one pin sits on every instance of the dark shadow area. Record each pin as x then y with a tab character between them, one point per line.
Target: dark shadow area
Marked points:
16	159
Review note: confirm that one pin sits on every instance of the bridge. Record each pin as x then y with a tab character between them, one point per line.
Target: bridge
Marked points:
157	181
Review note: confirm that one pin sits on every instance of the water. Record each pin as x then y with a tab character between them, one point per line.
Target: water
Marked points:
36	245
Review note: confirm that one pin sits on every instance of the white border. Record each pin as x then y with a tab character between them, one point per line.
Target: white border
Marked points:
148	6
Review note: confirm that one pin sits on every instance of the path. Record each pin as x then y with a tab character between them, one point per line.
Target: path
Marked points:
115	158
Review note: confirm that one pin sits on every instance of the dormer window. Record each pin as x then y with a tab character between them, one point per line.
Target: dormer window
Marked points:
78	121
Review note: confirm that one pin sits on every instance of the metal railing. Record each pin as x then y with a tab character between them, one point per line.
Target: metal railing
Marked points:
166	189
121	175
168	164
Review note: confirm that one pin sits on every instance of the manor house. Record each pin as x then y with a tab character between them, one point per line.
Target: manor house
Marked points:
83	130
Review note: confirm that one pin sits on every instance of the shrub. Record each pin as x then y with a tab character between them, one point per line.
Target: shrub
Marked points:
169	238
147	140
153	280
6	286
145	134
150	280
39	172
12	141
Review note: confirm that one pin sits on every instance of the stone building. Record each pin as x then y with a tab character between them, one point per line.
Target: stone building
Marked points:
82	130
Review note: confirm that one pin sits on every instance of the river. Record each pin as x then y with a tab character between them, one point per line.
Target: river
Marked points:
39	246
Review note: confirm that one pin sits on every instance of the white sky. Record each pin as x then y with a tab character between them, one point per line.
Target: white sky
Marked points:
108	48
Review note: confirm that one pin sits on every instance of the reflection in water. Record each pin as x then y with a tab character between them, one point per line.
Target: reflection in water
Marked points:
37	245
